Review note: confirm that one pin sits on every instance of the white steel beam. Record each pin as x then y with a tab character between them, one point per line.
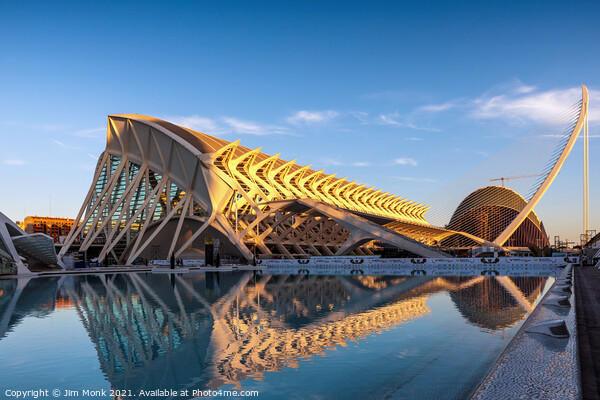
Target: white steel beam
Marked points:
512	227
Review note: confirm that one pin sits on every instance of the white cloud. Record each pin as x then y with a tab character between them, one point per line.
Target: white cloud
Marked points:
240	126
411	179
331	161
309	117
337	163
523	104
198	123
422	128
406	161
395	119
513	102
390	119
538	107
361	116
254	128
89	133
522	89
227	125
438	107
414	139
482	153
15	162
65	146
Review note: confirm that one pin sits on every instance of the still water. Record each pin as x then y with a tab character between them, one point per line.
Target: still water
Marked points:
285	336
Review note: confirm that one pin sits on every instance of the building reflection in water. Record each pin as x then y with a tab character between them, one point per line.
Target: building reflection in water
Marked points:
213	329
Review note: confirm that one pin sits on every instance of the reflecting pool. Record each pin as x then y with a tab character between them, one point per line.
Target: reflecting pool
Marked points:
284	336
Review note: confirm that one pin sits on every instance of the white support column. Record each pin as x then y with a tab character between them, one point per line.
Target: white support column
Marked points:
182	216
125	210
195	235
353	242
586	179
149	216
127	194
77	227
144	205
136	252
110	185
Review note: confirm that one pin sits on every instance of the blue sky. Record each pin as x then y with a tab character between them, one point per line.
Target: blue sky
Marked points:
403	96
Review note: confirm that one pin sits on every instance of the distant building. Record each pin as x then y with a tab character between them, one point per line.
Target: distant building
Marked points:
56	228
23	253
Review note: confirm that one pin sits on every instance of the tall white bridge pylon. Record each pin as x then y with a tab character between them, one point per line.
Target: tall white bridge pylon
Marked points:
535	159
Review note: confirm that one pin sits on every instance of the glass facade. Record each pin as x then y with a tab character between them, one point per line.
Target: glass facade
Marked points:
131	202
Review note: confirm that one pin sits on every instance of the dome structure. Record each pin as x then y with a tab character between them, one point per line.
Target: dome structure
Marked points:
487	212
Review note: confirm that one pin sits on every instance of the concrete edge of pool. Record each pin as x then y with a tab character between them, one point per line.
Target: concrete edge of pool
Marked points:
535	365
119	269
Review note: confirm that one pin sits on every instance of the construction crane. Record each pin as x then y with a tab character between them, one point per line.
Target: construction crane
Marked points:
503	178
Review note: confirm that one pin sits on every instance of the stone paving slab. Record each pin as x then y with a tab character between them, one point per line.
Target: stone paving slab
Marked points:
537	366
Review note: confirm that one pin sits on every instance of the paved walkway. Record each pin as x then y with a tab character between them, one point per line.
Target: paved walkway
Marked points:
587	295
537	366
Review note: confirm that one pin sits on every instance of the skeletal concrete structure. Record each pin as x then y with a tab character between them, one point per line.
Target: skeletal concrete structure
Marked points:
162	185
160	189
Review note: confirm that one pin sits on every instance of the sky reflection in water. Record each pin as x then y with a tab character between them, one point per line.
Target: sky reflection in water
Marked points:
292	336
